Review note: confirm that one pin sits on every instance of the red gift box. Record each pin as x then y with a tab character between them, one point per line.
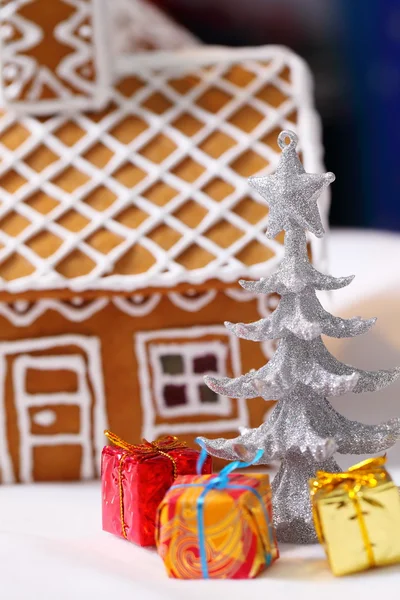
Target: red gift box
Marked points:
136	478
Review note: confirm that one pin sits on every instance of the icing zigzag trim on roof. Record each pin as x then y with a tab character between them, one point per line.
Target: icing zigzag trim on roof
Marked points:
82	76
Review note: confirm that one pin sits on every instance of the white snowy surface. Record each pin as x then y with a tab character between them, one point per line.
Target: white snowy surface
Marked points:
374	258
51	543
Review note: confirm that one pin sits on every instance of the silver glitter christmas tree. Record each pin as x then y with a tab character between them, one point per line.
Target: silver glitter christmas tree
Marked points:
303	430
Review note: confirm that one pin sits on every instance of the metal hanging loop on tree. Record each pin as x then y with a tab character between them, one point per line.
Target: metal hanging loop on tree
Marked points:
284	136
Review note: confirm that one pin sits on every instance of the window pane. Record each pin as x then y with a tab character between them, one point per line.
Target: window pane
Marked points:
207	396
172	364
175	395
205	363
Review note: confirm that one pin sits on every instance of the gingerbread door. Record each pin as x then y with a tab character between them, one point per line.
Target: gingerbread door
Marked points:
53	408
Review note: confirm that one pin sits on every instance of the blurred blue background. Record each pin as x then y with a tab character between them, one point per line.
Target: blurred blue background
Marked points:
353	49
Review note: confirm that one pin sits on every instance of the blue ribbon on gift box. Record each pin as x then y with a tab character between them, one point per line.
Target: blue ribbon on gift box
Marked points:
221	482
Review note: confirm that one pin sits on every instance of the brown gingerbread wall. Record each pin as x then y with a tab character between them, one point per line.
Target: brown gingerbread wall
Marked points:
116	332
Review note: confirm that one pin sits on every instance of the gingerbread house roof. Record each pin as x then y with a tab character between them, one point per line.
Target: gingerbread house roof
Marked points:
152	192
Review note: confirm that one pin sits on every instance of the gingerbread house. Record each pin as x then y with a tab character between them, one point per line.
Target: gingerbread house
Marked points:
125	222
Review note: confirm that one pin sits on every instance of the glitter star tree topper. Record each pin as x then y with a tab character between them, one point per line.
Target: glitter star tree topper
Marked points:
303	430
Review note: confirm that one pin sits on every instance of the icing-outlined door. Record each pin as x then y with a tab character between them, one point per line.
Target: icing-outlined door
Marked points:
38	412
54	387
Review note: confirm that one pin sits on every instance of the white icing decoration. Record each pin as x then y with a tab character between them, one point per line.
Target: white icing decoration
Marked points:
21	305
6	31
155	69
77	301
193	335
45	418
239	294
6	466
134	309
36	310
91	95
269	348
12	92
23	314
10	72
76	363
273	301
192	304
85	31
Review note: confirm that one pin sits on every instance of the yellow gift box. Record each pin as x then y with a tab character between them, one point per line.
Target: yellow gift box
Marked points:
357	516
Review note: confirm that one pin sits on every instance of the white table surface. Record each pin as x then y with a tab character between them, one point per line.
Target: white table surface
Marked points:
51	543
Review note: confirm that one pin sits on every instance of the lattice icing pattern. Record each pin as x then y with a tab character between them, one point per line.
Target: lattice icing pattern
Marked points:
139	25
152	192
54	54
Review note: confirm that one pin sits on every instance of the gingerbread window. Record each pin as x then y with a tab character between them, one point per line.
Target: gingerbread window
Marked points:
172	364
178	377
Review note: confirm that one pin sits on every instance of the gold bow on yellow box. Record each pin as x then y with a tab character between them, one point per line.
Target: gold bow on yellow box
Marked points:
357	516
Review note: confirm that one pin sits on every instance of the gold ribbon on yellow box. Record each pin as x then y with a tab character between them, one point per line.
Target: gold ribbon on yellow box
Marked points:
357	516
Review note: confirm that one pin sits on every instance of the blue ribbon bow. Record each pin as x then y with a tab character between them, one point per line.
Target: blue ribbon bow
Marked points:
221	482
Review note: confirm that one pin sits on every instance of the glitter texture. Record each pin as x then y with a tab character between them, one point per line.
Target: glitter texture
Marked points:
303	431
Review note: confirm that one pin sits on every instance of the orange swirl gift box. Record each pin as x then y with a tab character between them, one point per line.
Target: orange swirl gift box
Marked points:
135	479
357	516
217	526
